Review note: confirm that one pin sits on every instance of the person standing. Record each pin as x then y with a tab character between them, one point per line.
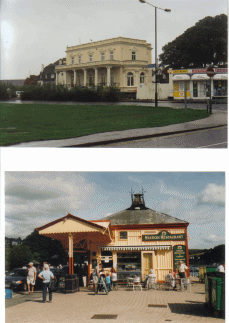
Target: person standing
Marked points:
114	280
182	268
108	282
31	277
95	276
46	276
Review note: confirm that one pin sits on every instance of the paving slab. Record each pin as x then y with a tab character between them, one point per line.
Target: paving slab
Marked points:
128	305
215	120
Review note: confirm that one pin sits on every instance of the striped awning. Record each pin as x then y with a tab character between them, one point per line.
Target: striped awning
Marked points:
134	248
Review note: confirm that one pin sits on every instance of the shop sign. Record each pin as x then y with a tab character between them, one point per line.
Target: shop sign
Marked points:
196	71
180	71
221	70
179	253
163	235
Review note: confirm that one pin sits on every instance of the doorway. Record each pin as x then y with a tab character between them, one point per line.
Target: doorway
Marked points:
147	263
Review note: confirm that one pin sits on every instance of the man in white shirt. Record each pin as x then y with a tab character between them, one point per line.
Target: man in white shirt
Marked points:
221	268
182	267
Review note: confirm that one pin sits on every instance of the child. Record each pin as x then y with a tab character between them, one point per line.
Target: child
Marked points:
108	282
114	279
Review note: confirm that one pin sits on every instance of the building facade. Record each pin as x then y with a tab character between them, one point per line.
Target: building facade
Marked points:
120	62
133	241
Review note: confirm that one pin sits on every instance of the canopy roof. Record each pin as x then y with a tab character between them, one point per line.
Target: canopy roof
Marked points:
79	228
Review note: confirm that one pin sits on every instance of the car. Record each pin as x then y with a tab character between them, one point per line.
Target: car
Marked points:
17	279
18	94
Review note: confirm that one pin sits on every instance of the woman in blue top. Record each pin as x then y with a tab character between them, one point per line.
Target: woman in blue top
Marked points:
46	275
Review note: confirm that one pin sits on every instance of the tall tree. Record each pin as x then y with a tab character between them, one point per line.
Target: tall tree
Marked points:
201	45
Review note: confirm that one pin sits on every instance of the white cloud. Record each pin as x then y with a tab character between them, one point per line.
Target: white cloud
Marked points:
212	195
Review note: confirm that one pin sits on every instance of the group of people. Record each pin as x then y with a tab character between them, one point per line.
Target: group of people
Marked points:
109	278
46	275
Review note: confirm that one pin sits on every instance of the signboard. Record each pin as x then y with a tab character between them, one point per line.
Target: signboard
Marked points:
179	253
163	235
180	71
151	65
210	72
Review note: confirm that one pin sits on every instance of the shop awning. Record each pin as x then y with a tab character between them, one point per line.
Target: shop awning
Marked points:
181	77
220	77
134	248
200	77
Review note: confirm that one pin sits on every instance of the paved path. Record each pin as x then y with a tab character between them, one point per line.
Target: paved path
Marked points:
214	120
128	305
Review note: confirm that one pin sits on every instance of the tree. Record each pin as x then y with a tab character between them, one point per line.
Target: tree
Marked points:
18	256
32	80
201	45
43	248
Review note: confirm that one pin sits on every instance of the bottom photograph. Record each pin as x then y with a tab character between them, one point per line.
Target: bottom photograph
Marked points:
149	246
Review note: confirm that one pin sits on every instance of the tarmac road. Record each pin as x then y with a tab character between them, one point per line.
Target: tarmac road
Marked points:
209	138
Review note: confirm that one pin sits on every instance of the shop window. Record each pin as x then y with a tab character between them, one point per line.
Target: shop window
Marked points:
106	259
142	78
128	263
133	56
195	89
220	87
207	89
130	79
176	86
123	235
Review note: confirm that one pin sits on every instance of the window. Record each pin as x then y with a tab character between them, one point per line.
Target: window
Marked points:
90	58
123	235
73	60
80	60
62	74
91	79
46	76
103	79
195	89
52	76
130	79
133	56
112	78
112	55
142	78
102	56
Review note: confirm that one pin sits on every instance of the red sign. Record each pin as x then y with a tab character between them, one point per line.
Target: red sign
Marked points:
210	72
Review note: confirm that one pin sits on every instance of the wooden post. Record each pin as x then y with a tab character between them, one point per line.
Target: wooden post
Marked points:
71	262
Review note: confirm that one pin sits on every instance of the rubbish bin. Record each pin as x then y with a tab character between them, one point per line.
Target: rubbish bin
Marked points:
84	281
8	293
215	292
69	284
202	271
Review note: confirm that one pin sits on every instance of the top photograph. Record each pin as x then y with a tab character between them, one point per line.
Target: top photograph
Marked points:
114	74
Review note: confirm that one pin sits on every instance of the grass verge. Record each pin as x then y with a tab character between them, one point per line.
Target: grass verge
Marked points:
34	122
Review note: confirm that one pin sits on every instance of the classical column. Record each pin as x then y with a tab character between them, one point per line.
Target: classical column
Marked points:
65	78
96	76
74	77
108	75
71	263
85	77
56	78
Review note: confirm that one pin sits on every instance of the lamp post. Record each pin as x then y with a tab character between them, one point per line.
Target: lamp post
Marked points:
167	10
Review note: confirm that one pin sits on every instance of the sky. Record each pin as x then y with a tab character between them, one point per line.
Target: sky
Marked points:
33	199
36	32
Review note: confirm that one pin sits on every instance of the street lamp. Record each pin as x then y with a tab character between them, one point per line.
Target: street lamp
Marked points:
167	10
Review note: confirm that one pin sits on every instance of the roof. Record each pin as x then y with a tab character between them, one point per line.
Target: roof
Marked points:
142	216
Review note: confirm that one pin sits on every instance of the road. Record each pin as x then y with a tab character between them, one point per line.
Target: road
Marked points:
212	138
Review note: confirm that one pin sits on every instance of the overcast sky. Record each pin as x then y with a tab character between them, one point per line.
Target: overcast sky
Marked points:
36	32
35	198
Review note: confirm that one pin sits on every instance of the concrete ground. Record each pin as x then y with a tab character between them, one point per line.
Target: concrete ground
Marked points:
128	305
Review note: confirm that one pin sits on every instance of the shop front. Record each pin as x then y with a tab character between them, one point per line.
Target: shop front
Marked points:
198	84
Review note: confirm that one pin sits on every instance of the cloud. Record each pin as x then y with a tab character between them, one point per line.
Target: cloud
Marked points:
211	238
212	195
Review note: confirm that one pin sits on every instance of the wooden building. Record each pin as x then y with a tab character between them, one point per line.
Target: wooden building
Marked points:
133	240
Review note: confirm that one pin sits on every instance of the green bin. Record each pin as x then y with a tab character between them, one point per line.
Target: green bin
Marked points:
216	291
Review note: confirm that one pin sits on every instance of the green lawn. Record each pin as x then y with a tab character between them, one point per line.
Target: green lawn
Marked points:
33	122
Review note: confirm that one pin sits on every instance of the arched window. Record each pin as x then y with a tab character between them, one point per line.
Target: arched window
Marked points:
130	79
142	77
